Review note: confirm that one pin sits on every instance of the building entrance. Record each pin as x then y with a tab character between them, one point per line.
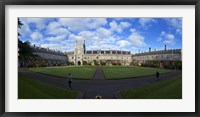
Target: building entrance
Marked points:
79	63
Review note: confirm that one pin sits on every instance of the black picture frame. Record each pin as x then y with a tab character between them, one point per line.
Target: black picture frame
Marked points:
98	2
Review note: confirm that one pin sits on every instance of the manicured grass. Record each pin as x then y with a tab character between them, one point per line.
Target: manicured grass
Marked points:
167	89
76	71
128	72
32	89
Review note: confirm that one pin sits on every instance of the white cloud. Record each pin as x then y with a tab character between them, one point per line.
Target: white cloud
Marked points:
175	23
25	30
114	26
97	32
53	25
96	22
167	38
103	47
39	22
159	39
136	38
123	43
100	35
54	46
64	45
124	25
81	24
146	22
55	38
87	34
76	37
54	28
103	33
163	33
179	31
134	50
36	36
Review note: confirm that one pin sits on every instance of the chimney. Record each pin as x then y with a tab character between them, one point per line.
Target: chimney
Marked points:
150	49
165	47
155	49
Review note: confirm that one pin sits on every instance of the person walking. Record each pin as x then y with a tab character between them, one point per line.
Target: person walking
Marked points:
70	80
157	75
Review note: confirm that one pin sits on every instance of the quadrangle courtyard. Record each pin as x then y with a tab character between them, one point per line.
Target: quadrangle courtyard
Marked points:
110	82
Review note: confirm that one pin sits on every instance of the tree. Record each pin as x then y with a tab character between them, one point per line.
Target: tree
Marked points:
20	24
25	52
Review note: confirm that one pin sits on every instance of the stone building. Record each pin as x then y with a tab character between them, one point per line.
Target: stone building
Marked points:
80	55
104	57
160	55
52	57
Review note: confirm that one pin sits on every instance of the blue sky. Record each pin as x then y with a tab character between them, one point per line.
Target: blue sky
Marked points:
130	34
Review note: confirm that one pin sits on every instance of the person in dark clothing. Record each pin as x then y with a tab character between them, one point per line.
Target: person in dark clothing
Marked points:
70	80
157	75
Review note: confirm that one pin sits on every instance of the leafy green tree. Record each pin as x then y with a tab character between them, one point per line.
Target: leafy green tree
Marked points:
25	52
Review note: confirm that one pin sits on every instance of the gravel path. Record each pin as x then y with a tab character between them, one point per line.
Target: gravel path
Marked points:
105	88
99	75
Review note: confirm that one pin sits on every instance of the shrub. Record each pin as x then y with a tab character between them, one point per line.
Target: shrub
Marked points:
70	63
151	63
103	63
43	64
165	64
37	65
85	63
113	63
178	64
89	64
118	63
95	62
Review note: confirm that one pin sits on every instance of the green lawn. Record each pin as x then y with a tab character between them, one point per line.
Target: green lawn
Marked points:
128	72
84	72
167	89
32	89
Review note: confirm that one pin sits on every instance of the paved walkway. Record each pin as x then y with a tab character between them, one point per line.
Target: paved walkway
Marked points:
105	88
99	75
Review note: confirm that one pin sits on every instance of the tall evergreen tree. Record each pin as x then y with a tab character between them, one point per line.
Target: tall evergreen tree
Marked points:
25	51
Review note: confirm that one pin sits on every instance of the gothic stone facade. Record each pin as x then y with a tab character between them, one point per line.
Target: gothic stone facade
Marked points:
161	55
79	55
52	57
107	56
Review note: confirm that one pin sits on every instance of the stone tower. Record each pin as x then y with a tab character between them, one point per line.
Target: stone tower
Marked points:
78	53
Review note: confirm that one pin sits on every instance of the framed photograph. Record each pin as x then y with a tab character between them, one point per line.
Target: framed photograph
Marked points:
74	58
